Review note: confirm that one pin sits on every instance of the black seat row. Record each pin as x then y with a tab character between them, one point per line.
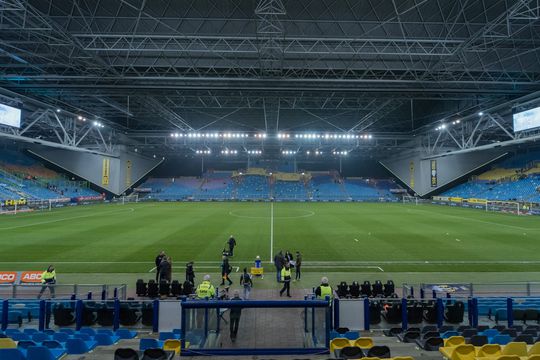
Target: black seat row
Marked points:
366	289
164	288
103	314
354	352
417	312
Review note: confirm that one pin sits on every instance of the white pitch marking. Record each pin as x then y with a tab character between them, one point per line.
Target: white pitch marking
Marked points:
380	268
271	232
63	219
152	269
356	240
458	240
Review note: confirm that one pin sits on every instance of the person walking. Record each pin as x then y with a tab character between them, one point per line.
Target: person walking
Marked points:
234	316
286	278
205	289
324	290
278	263
226	269
298	266
190	273
160	257
48	280
247	282
232	244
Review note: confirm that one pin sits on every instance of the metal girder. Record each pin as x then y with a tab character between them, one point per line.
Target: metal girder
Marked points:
118	43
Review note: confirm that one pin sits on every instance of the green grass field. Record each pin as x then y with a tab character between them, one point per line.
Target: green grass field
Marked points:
333	237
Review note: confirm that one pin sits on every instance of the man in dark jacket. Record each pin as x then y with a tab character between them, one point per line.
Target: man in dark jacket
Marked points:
234	316
298	265
232	244
226	269
165	269
278	263
190	273
158	261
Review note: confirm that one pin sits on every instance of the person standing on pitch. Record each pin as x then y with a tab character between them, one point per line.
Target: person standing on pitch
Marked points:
232	244
158	262
247	282
234	316
48	280
226	269
286	278
298	265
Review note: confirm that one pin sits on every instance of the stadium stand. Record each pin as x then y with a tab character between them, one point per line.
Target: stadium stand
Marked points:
258	183
514	179
23	177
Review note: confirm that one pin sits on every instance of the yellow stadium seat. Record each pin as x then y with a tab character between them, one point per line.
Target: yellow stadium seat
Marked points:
488	350
339	343
7	343
515	348
534	357
454	341
363	342
508	357
400	358
172	345
371	358
463	352
534	349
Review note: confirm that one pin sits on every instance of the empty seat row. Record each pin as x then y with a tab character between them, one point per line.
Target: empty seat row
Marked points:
366	289
148	354
153	289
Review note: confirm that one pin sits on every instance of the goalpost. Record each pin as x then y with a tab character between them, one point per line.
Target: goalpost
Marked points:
133	198
407	199
512	207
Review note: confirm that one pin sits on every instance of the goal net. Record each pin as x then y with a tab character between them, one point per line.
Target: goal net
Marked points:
407	199
133	198
512	207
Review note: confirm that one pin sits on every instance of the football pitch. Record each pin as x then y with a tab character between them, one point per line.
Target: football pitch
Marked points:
332	237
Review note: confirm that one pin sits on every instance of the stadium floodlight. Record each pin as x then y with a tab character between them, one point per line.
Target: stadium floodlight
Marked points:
58	110
308	152
480	113
458	121
443	126
79	117
369	136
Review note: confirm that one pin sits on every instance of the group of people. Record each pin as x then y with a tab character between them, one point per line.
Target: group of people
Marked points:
163	267
284	263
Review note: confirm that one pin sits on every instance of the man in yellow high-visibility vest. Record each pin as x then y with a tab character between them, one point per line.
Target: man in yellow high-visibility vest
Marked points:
286	278
48	280
324	290
205	289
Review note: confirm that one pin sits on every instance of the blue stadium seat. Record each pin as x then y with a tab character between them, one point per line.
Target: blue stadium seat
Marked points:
105	340
11	354
125	334
44	353
147	343
79	346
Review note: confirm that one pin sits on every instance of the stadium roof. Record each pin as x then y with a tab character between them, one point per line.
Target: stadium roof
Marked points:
149	68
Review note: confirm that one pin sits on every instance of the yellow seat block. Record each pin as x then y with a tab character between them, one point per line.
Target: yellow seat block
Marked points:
508	357
464	352
7	343
515	348
488	350
534	349
401	358
363	342
172	345
454	341
339	343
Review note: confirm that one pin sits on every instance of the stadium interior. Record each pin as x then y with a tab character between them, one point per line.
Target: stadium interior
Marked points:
363	175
